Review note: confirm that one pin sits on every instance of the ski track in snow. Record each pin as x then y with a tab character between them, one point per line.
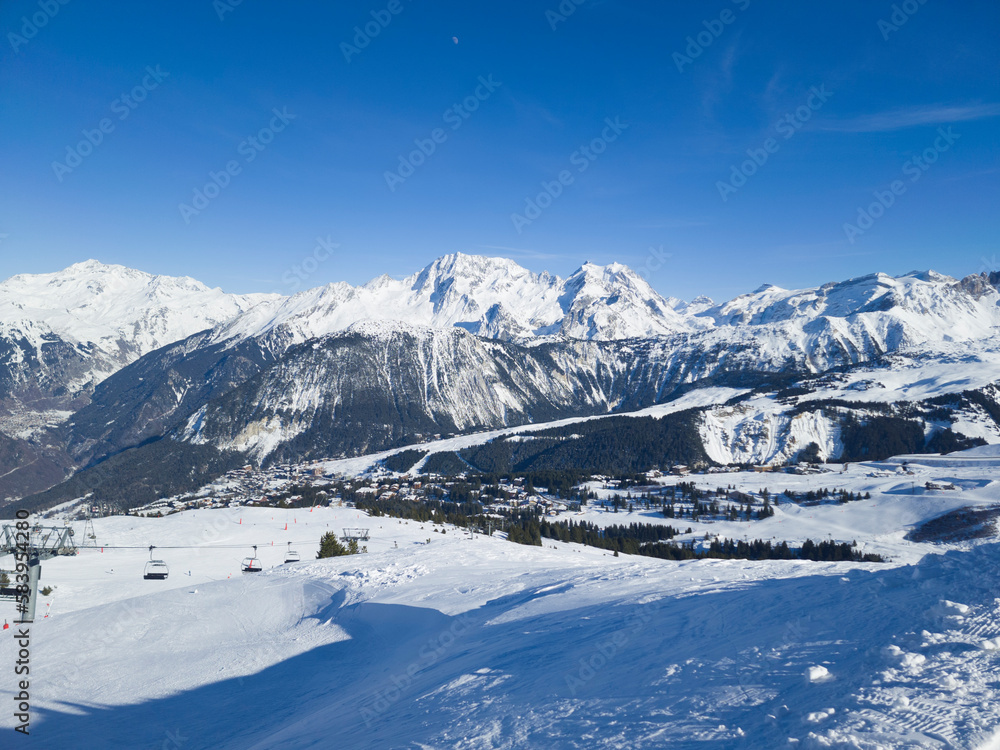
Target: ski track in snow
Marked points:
360	464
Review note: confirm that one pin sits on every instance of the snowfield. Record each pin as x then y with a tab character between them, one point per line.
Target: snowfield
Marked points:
435	640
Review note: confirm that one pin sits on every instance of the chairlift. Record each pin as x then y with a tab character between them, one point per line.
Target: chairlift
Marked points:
155	570
291	555
251	564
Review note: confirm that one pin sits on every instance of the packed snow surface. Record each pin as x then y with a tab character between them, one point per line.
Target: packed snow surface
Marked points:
435	640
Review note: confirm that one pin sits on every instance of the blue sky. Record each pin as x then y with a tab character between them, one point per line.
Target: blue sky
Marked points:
835	102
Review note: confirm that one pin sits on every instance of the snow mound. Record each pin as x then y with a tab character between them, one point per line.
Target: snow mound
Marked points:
818	673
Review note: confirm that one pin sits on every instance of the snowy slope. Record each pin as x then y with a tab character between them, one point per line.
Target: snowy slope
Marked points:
434	380
479	643
458	383
63	333
894	310
861	319
767	430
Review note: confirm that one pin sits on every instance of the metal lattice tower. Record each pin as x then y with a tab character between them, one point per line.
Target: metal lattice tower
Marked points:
45	542
356	535
89	534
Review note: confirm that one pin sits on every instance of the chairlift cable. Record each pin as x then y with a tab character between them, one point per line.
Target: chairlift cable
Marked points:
186	546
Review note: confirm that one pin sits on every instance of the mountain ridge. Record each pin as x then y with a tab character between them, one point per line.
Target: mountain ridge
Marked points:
466	343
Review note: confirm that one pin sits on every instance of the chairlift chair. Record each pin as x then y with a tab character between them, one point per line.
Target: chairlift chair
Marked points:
291	555
155	570
251	564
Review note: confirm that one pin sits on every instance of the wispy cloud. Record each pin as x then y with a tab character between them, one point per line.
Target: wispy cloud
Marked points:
720	84
671	224
815	252
729	61
775	87
910	117
533	109
971	175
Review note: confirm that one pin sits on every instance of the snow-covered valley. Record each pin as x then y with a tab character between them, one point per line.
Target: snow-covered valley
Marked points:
437	640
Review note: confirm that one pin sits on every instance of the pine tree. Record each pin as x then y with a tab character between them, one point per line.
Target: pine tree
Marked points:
330	546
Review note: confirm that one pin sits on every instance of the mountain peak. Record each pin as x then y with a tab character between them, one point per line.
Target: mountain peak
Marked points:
611	273
763	288
464	264
379	282
93	265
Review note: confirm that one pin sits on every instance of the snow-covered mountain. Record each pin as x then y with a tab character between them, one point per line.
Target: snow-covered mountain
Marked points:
112	315
63	333
490	297
877	311
118	309
466	344
834	324
94	319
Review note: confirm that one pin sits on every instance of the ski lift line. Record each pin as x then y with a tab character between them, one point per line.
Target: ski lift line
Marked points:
188	546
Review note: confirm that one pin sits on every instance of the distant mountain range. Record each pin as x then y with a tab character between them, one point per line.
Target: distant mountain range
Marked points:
101	363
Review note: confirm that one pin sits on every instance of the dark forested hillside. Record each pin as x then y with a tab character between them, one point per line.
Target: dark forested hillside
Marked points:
138	476
616	445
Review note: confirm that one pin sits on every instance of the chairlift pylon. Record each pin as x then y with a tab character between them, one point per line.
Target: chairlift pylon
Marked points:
155	570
